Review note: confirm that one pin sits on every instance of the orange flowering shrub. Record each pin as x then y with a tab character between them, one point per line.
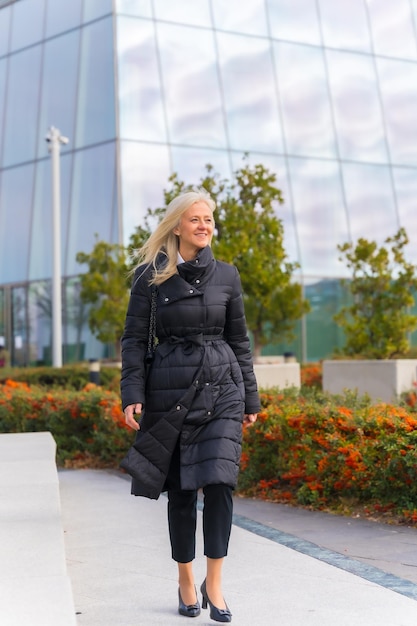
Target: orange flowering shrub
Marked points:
87	425
320	450
311	375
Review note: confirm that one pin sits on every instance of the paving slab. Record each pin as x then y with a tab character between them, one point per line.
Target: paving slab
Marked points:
118	559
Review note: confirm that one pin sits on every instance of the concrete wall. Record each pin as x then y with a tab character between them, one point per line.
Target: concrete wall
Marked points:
277	375
34	586
381	380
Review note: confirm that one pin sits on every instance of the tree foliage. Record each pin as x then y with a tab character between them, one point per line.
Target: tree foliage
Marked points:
376	325
249	234
104	287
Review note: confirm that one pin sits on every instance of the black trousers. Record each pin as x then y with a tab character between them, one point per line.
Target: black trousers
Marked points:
182	516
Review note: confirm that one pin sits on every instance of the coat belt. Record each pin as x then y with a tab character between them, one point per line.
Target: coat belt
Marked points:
189	343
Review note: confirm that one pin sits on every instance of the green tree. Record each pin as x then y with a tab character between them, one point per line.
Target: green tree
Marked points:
377	324
105	288
250	235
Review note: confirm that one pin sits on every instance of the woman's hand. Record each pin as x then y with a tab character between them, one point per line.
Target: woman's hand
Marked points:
130	412
249	419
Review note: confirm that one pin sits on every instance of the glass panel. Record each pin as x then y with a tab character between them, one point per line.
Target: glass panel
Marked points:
405	181
294	20
345	24
5	29
195	12
40	323
21	119
91	202
95	111
27	23
243	17
357	108
249	93
61	16
19	327
307	117
398	81
58	96
93	9
320	217
145	171
3	321
41	247
370	201
392	28
285	211
3	70
75	323
15	218
140	8
140	93
190	164
326	298
191	86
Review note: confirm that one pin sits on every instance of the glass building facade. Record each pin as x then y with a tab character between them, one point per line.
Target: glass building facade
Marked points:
323	93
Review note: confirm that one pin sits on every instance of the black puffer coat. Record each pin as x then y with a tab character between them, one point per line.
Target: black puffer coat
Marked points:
201	380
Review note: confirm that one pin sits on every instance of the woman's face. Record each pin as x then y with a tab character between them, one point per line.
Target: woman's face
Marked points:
195	230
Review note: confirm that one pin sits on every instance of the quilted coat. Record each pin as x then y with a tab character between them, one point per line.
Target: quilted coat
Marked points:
201	381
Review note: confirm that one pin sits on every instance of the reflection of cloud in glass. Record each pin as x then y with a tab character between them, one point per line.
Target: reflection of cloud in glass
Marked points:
345	24
140	95
191	86
243	17
294	20
249	93
320	216
370	201
357	108
398	81
184	12
392	28
302	82
405	180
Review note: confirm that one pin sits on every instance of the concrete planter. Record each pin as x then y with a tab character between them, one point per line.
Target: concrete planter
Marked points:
279	375
382	380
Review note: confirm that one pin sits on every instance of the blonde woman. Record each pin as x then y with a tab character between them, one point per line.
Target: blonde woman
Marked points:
200	388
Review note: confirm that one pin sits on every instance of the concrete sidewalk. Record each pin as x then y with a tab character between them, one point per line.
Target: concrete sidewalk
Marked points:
118	559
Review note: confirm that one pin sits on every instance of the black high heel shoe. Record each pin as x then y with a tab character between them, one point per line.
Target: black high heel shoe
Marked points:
218	615
189	610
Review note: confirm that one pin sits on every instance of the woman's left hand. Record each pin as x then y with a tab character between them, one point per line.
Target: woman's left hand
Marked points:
249	419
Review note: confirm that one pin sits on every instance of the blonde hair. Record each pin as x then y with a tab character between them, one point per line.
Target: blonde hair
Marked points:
164	241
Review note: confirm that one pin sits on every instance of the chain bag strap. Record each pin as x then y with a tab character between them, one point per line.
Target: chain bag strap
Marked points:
152	329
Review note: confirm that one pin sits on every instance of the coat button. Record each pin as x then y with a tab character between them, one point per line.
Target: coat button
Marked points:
191	290
207	384
166	299
197	282
178	407
208	412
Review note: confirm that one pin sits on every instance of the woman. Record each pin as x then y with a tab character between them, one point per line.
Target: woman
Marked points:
200	388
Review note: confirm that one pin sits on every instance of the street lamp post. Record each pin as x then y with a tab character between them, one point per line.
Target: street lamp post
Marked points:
55	139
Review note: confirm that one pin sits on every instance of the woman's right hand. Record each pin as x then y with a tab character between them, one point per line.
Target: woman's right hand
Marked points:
130	411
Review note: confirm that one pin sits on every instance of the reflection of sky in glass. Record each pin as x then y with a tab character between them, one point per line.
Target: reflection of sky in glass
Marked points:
345	24
191	86
405	181
92	9
357	108
398	80
320	216
242	17
140	8
294	20
27	23
370	201
304	96
62	16
5	29
249	93
19	142
190	163
195	12
140	94
145	169
15	219
392	28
